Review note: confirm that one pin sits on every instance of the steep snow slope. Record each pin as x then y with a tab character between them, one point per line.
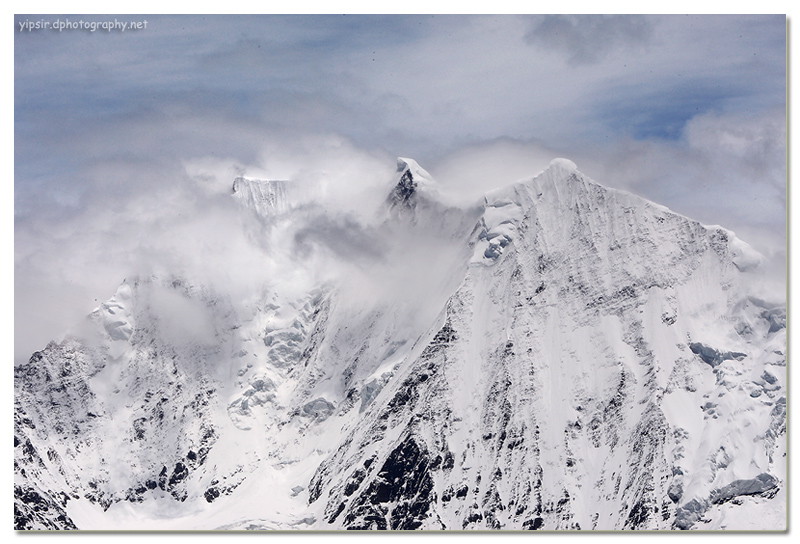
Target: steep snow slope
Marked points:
559	356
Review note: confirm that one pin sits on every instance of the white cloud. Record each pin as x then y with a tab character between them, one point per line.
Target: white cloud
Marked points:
470	172
126	146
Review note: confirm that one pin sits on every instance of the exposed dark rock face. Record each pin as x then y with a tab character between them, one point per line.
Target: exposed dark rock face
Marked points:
776	318
712	356
405	189
34	508
400	495
690	513
760	485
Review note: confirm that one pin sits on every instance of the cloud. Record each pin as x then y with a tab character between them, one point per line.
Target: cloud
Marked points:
174	215
726	169
662	109
467	174
126	145
586	39
181	320
416	86
343	236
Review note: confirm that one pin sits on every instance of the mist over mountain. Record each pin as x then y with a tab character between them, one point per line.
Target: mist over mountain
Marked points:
554	355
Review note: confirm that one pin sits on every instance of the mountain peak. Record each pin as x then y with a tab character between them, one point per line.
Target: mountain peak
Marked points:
566	355
265	197
564	165
411	180
558	171
416	171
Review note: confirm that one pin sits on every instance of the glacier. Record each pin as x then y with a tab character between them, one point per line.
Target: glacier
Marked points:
557	356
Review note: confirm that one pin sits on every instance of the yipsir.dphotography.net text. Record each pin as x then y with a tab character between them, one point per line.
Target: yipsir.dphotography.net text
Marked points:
60	25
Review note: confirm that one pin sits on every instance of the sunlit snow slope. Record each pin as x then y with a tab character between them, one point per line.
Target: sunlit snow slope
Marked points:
559	356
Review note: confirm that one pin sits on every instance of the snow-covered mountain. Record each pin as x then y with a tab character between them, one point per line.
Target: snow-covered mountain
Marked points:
558	356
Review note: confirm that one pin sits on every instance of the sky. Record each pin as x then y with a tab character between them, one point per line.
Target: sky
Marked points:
126	142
